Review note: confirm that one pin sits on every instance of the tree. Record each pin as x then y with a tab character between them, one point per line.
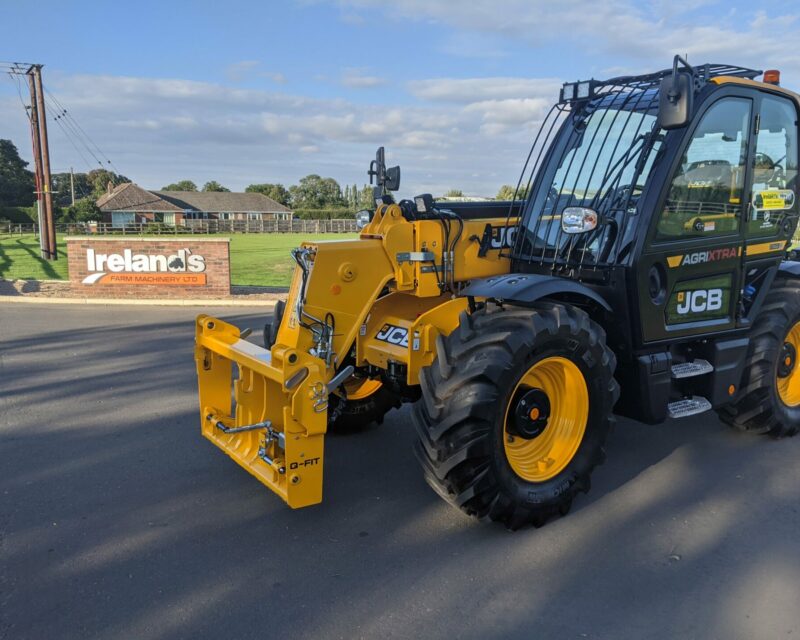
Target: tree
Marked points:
506	192
454	193
315	192
181	185
277	192
16	182
213	185
62	189
99	179
85	210
366	198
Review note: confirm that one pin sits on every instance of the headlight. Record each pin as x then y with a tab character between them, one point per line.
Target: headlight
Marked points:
362	219
578	220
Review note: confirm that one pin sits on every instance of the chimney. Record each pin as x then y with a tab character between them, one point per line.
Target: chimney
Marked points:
110	187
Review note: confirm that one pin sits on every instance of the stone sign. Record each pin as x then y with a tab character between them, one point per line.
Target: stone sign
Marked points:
132	266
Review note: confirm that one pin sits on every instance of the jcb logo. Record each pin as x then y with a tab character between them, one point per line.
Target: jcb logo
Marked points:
699	301
393	335
503	237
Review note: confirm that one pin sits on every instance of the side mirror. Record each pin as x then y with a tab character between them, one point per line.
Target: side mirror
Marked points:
675	100
391	181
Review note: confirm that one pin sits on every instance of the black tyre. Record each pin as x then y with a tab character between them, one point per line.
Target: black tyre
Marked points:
505	385
273	324
769	395
368	401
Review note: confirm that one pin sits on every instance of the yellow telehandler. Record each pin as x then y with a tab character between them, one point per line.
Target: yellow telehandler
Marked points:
517	329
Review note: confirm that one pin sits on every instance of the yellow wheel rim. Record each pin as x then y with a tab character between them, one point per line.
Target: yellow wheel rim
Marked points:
360	388
789	385
545	456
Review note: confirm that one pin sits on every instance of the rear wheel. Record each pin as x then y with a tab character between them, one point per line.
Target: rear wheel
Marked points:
367	402
769	397
515	412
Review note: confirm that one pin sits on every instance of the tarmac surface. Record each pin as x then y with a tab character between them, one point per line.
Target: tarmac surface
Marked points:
117	520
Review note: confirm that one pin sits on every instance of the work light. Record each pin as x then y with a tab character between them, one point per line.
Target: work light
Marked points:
568	92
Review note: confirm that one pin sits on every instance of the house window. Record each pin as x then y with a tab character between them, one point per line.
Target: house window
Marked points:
226	216
254	216
121	218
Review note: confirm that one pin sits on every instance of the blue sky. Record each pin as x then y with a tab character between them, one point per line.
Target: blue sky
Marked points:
247	92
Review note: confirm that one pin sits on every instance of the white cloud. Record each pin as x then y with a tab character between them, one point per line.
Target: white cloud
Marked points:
647	34
245	69
472	90
358	79
160	130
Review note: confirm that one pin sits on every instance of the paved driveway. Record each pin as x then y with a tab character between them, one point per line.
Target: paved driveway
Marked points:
117	520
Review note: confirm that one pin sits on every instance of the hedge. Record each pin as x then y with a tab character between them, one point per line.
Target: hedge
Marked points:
21	215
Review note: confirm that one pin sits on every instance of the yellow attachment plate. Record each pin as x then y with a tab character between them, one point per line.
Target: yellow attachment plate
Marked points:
545	456
242	385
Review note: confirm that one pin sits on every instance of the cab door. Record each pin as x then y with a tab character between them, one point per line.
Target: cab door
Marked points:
772	206
689	276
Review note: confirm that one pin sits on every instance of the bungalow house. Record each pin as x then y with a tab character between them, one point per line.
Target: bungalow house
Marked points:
129	203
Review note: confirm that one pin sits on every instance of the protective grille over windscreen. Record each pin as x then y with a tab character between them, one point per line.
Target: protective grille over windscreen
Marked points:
595	153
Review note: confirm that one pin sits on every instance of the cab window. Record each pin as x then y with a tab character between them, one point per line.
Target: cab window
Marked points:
705	197
774	193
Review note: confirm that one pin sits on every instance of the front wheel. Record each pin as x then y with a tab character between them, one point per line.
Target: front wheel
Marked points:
366	402
515	412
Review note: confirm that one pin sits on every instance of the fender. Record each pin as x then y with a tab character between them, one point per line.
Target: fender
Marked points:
525	288
789	268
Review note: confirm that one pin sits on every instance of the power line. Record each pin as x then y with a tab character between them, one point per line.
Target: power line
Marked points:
73	135
66	114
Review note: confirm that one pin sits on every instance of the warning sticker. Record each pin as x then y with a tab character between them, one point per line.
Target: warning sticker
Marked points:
774	200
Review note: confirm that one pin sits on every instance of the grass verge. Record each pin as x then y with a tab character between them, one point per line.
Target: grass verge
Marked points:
256	259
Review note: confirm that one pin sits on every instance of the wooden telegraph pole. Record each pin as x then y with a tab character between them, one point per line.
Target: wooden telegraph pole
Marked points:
49	222
37	164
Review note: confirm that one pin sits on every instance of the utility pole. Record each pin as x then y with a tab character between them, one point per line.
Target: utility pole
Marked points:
52	253
44	244
72	185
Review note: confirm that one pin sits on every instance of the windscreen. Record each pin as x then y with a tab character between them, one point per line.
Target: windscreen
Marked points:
601	158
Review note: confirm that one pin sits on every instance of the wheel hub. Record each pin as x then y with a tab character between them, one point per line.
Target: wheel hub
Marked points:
530	415
787	361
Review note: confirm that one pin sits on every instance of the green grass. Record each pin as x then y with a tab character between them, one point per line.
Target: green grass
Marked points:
256	259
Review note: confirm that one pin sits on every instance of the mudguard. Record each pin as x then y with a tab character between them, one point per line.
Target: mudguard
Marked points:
525	288
789	268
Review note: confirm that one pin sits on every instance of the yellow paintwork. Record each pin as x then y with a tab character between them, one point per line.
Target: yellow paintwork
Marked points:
363	285
757	85
546	455
766	247
361	389
259	393
789	387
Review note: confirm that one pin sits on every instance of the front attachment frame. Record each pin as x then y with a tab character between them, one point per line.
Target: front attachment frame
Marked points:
266	410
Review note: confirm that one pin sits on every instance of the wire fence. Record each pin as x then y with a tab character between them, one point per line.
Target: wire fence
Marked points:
190	227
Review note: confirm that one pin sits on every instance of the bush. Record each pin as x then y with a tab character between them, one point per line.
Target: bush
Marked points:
324	214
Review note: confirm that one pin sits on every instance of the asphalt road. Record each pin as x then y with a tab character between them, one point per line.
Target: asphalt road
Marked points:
117	520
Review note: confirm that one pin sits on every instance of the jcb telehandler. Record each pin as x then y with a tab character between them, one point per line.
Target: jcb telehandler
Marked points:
644	273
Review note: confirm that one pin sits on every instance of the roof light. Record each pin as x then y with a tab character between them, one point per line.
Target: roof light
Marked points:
584	90
772	76
568	92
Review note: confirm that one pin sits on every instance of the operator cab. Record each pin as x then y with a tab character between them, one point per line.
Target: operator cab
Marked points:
631	177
